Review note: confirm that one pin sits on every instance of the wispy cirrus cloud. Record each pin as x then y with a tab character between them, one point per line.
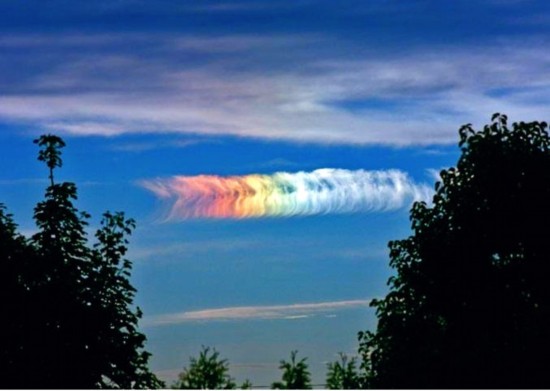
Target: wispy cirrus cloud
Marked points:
288	311
271	86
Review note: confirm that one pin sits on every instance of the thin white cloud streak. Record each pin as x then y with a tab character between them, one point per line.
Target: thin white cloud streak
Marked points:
23	181
40	40
231	6
288	311
137	147
243	86
231	249
183	251
228	44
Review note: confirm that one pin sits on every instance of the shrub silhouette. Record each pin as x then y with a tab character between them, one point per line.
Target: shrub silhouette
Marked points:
342	374
296	375
208	372
69	321
469	305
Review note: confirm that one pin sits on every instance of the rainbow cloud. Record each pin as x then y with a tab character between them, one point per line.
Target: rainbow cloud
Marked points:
321	191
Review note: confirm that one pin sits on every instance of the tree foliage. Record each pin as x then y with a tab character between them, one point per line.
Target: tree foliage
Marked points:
469	306
69	305
208	372
296	375
342	374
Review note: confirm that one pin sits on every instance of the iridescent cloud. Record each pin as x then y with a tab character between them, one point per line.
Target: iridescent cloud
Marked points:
323	191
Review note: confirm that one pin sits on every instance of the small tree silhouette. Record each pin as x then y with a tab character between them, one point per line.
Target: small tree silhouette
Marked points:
342	375
208	372
51	152
295	376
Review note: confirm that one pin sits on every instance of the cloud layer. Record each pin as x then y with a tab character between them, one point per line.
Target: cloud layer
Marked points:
289	311
323	191
272	86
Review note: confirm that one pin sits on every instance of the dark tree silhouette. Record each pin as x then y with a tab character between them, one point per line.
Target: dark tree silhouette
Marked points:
343	374
469	305
208	372
69	305
296	375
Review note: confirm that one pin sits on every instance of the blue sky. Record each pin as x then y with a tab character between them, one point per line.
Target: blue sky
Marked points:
143	90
